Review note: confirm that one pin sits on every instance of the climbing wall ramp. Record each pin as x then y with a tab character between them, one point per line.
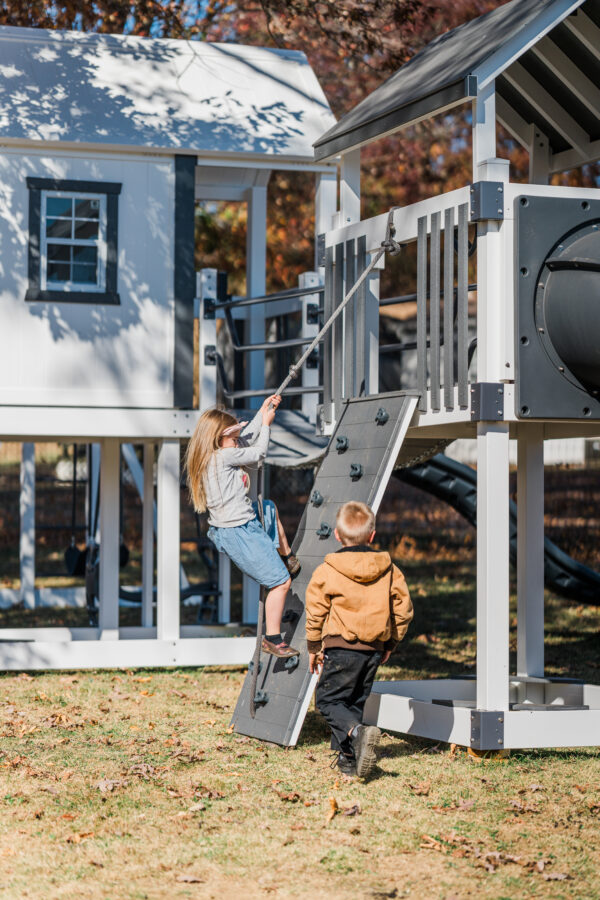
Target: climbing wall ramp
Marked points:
357	465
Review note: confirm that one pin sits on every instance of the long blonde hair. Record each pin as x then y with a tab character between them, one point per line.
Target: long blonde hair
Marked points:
202	445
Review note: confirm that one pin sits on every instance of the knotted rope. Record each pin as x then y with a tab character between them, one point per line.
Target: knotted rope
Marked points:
393	248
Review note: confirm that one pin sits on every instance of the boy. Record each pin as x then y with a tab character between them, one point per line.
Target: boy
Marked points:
357	609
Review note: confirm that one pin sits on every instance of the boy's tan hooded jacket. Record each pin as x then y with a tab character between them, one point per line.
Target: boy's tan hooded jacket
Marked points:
359	595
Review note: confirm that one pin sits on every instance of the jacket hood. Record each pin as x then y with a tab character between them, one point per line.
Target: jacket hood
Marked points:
360	566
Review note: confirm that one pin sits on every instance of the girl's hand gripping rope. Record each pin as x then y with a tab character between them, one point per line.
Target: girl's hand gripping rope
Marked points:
269	407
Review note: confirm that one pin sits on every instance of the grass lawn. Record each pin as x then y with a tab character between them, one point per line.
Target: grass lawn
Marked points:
128	784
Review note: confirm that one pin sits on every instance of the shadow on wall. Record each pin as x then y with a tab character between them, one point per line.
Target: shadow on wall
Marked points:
113	90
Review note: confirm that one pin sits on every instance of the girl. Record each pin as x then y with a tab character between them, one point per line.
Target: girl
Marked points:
218	452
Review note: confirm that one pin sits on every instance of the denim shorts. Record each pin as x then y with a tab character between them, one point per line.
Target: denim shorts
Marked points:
254	549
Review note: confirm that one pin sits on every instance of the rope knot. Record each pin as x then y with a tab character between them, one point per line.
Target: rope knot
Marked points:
392	247
293	371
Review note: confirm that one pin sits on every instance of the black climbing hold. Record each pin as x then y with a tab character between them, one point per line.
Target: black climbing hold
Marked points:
341	444
290	615
381	416
356	471
316	498
251	667
324	530
291	663
261	698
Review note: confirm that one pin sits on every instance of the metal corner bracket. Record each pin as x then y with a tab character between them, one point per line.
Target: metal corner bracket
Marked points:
487	201
487	401
487	729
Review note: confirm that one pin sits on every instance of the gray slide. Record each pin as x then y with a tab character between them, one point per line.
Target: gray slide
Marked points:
456	484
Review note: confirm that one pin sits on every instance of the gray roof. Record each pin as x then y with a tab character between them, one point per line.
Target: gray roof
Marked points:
158	94
544	55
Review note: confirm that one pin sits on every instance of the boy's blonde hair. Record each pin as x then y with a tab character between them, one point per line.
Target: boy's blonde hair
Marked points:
202	445
355	522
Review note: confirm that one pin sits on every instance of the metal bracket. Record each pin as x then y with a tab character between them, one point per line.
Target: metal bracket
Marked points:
487	729
210	355
312	313
209	308
487	201
487	402
320	249
313	360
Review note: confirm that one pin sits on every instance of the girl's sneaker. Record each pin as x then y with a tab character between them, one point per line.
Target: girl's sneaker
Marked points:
279	649
291	563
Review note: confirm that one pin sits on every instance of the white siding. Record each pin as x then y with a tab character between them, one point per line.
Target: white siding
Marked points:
72	354
567	450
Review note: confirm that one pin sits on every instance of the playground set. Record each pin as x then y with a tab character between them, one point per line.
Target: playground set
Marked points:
530	374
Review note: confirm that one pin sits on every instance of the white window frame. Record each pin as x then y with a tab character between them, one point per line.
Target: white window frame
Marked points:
99	243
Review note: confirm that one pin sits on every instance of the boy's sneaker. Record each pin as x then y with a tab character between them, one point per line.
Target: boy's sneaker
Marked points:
346	764
364	745
291	563
280	649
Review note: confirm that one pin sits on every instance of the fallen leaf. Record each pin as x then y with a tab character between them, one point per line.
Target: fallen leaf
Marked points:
352	810
430	843
555	876
189	879
197	807
108	785
310	756
77	838
465	805
333	809
422	788
143	680
67	816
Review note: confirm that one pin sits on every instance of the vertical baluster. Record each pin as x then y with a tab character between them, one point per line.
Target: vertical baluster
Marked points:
361	312
422	312
449	308
462	301
434	311
349	315
327	341
338	329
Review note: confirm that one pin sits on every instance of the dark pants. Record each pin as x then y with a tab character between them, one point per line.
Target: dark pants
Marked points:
345	683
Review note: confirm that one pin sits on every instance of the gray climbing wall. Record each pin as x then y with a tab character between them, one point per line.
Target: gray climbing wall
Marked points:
357	466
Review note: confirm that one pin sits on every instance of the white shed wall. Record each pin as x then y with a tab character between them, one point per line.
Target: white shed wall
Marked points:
79	354
556	452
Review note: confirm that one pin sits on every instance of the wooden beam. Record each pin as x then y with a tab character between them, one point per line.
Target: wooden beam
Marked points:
513	122
585	31
538	97
570	74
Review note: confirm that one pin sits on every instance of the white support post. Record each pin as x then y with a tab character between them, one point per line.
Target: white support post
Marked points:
108	619
350	188
224	589
27	526
148	538
310	377
539	157
206	290
256	263
484	127
530	550
492	566
372	334
168	543
325	208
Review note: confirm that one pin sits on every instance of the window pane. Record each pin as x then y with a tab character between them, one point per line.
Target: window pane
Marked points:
85	255
59	252
84	274
58	272
58	228
87	209
86	230
59	206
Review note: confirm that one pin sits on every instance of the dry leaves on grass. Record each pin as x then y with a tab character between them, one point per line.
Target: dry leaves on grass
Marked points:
460	846
461	806
78	837
189	879
291	797
421	788
108	785
518	807
335	808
